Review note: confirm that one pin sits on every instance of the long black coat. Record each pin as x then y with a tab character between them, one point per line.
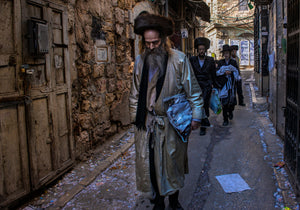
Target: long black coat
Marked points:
206	76
222	79
207	73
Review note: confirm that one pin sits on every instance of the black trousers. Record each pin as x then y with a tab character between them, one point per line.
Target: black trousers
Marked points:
226	110
206	93
152	167
240	92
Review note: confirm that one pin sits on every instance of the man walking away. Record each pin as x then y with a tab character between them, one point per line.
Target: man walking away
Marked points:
205	71
234	49
160	72
227	75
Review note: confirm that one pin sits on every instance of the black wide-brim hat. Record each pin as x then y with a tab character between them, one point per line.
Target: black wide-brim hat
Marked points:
202	41
146	21
234	47
226	47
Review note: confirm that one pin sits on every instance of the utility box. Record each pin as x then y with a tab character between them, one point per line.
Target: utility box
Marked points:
38	38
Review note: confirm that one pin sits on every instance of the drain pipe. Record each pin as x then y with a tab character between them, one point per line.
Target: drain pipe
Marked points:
167	8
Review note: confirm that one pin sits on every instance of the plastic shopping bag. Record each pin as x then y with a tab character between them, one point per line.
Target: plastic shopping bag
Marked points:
180	115
215	103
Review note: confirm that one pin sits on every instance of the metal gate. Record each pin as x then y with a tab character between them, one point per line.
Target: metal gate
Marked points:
292	129
36	143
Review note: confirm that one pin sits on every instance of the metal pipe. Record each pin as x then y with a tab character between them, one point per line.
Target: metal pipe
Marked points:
183	45
167	8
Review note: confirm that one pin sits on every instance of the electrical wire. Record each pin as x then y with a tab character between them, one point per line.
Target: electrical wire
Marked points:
241	18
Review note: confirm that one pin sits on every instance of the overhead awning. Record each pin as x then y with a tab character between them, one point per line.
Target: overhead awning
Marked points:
200	8
245	34
263	2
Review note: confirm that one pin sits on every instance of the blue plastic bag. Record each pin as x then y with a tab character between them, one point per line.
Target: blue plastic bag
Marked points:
180	115
215	103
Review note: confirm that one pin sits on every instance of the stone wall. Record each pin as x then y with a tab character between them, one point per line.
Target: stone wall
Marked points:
277	75
103	42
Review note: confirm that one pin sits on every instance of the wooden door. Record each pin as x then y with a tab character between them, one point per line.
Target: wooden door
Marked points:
14	170
48	86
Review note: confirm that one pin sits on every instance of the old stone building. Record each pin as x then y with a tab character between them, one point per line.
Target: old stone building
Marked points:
65	76
277	72
231	23
271	49
277	63
270	57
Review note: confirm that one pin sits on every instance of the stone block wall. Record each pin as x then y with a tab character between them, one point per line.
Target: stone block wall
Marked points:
102	43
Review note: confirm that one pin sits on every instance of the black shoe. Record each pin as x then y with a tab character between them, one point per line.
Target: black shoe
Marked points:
159	203
225	123
177	207
174	203
242	104
230	116
205	122
159	206
202	131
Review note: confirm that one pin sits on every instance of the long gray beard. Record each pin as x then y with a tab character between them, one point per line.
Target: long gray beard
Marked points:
156	59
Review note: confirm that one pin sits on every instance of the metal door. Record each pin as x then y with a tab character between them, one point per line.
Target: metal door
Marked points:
14	167
47	84
292	129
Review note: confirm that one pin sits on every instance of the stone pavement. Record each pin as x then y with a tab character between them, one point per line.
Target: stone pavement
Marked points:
106	157
107	180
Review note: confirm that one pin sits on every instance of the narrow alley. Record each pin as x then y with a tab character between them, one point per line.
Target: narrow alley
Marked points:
90	89
248	147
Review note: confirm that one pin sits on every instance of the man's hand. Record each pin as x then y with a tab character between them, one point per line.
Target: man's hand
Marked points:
195	125
227	72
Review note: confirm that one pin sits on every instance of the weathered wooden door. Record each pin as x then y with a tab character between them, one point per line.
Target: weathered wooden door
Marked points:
47	84
35	97
14	167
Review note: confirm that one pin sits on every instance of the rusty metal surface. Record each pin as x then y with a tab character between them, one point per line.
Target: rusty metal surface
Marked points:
292	112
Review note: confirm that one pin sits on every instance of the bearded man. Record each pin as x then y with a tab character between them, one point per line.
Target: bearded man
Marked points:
160	72
205	71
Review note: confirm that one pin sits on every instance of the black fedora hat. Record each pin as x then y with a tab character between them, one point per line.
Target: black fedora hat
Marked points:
202	41
145	21
234	47
226	47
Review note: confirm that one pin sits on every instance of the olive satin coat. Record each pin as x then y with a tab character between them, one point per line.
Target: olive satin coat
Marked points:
170	153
